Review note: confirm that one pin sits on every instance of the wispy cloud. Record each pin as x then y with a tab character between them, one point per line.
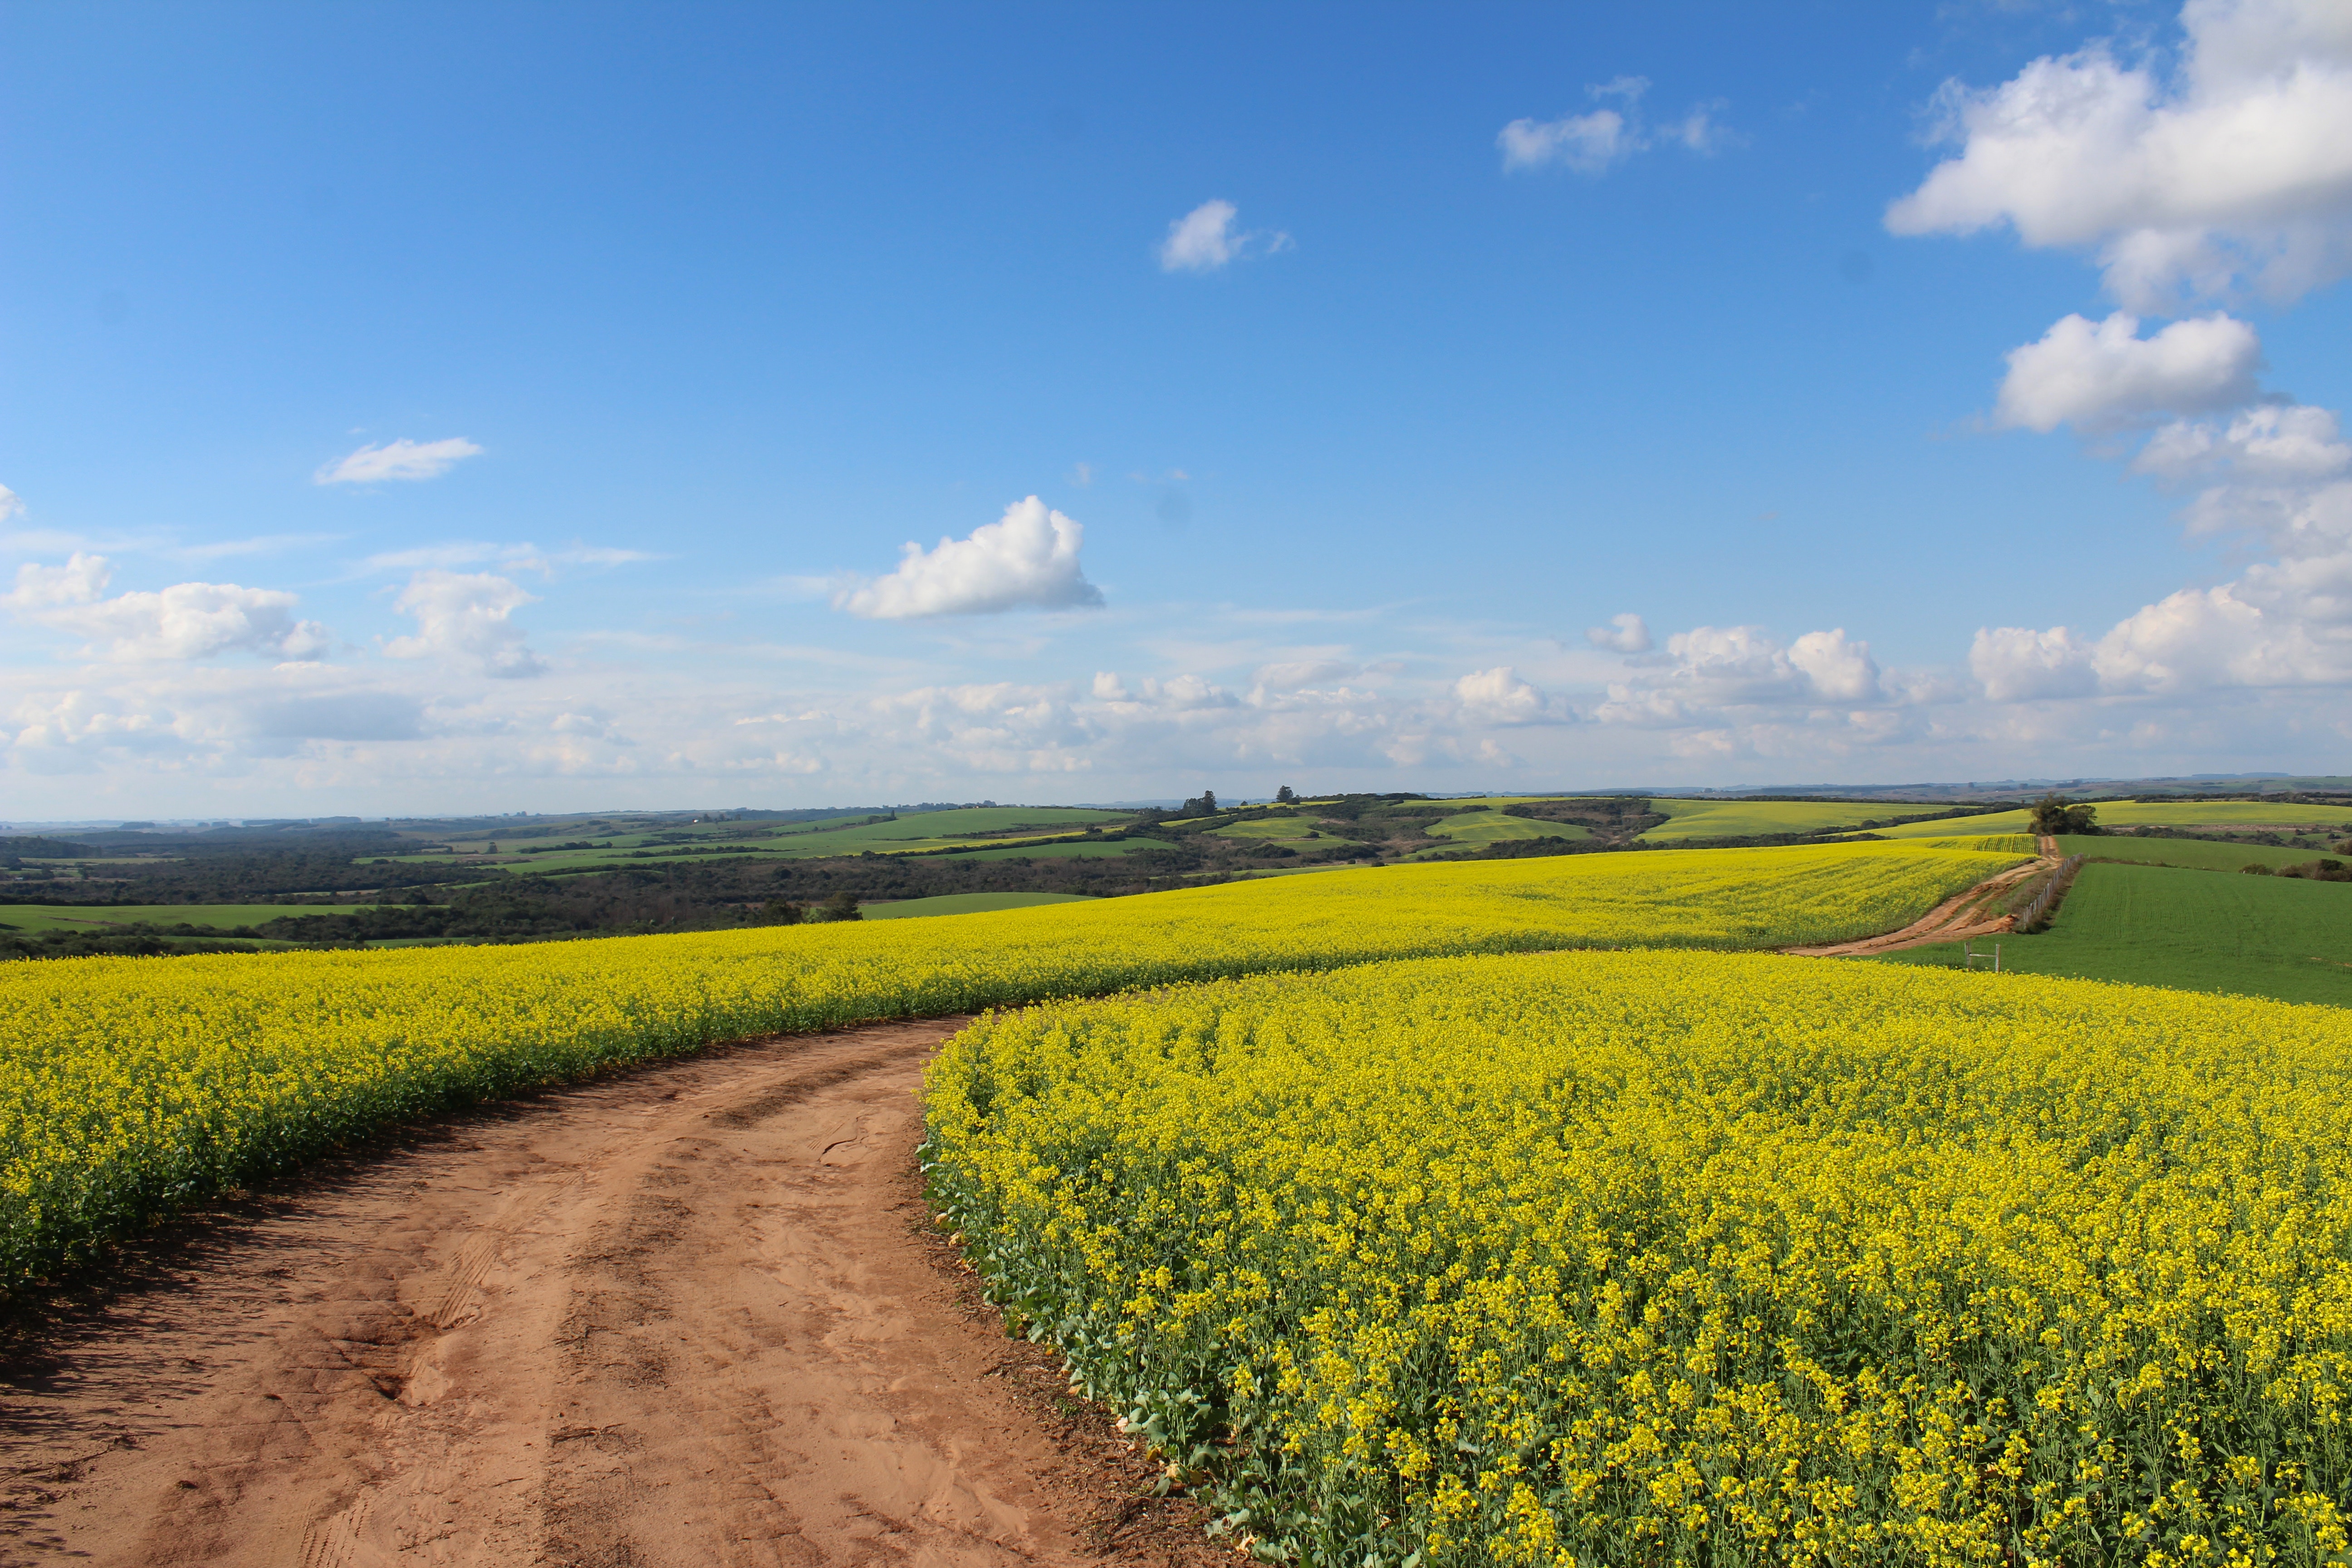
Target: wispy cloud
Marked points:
1206	238
1594	143
401	459
455	553
259	544
522	557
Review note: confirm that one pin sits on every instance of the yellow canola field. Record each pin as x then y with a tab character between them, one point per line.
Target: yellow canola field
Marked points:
130	1086
1988	843
1685	1258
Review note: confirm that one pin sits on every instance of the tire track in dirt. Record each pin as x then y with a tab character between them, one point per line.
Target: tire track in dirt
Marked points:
1966	913
686	1315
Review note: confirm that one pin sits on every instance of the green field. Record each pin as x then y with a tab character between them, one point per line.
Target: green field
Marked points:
2199	853
1281	829
966	904
100	917
2222	813
2190	930
1491	827
2144	813
1987	843
1746	818
1954	826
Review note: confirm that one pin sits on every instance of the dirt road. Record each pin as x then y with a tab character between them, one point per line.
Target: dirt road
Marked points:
1972	912
689	1315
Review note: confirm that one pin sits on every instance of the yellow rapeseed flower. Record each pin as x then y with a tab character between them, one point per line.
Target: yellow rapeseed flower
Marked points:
129	1086
1676	1257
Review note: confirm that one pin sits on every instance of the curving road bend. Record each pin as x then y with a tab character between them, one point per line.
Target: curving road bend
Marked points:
1971	912
681	1316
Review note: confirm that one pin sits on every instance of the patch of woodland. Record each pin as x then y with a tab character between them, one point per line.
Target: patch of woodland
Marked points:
232	875
2303	838
2325	869
694	896
133	942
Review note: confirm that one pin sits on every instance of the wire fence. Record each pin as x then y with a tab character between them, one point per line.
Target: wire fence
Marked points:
2036	914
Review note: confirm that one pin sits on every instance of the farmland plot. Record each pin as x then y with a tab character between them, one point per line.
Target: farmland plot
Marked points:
1674	1258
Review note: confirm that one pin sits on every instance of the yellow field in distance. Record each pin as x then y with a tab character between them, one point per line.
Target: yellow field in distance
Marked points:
130	1085
1746	818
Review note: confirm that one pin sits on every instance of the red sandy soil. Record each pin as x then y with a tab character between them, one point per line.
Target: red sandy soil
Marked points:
689	1314
1968	913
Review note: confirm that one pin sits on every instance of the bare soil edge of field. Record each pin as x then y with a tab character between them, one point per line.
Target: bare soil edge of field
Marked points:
1966	913
693	1313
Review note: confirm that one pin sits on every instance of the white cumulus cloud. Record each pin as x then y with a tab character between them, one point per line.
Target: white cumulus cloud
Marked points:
1499	696
2278	476
1587	143
2252	633
1026	559
1202	240
43	588
1709	668
2099	375
1205	239
1623	634
401	459
184	621
2278	443
467	617
1837	668
2016	664
2235	173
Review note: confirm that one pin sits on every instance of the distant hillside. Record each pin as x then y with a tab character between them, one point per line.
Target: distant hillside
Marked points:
2216	786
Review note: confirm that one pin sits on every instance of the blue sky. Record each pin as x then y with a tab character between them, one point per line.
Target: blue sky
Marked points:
498	407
